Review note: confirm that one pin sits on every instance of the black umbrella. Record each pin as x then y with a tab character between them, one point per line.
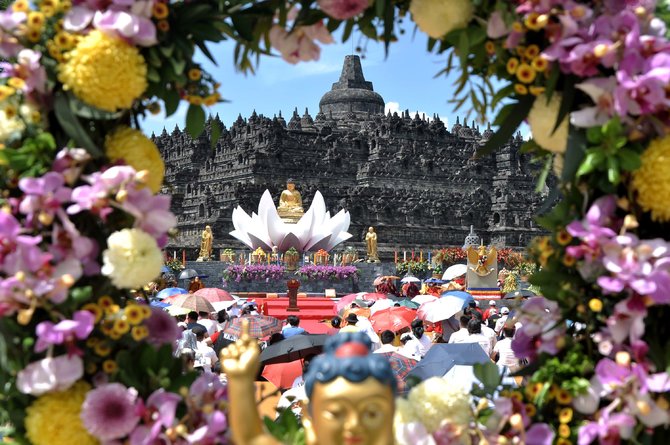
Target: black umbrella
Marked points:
519	293
441	357
187	273
294	348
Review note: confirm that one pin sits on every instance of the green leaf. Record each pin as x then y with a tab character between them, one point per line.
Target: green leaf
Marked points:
574	153
195	120
215	131
542	178
552	81
178	65
613	174
206	52
172	99
567	98
348	28
166	50
488	375
244	26
153	75
594	135
71	125
380	7
591	162
463	49
629	159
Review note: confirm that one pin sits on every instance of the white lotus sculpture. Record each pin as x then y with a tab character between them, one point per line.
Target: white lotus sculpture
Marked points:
314	231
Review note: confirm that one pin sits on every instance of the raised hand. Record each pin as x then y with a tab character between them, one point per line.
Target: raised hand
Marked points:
241	358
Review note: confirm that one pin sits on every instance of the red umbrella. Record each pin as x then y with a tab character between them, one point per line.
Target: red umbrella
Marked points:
401	366
282	375
393	319
213	294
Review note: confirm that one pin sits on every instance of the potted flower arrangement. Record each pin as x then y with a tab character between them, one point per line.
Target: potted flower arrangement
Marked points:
349	256
174	265
321	257
258	256
228	256
417	268
321	272
291	257
437	270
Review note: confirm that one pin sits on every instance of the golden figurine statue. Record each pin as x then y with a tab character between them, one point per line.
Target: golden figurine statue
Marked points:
344	406
290	203
481	259
206	242
371	243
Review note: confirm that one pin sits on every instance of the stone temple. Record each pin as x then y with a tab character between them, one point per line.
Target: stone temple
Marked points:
412	178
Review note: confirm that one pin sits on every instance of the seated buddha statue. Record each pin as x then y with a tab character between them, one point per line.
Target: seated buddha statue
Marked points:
290	203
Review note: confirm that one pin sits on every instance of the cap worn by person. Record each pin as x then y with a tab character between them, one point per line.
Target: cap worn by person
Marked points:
492	303
352	319
504	310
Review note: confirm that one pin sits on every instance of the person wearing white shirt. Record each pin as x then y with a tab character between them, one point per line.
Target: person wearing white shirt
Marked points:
418	344
490	334
500	323
208	323
364	325
205	357
460	335
476	336
503	351
387	338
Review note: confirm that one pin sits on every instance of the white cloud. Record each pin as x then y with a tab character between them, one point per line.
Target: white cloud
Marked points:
394	107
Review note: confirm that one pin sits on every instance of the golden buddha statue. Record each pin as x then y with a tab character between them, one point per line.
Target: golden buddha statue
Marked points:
206	241
371	244
350	391
290	203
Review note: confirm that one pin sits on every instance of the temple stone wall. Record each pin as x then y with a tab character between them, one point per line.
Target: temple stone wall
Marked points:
413	178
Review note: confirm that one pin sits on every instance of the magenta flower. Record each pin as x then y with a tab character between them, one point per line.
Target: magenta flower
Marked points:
66	331
207	389
152	213
43	197
110	411
540	434
541	331
343	9
159	412
162	327
50	374
628	319
9	21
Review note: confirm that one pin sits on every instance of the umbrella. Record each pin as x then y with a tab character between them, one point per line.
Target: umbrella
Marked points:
401	366
213	294
176	310
520	293
159	304
348	299
193	302
221	305
165	269
407	303
170	291
441	309
294	348
441	357
381	279
421	299
465	296
410	279
282	375
187	273
454	271
259	326
381	305
393	319
434	281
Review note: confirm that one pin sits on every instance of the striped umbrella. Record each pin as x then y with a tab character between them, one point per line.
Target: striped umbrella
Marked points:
194	302
401	366
259	326
213	294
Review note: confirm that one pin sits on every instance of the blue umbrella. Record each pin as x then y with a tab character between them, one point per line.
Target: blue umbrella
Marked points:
170	291
434	281
465	296
165	269
159	304
441	357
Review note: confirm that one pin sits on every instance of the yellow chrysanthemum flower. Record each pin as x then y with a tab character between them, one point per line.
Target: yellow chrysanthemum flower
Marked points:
512	65
139	333
102	349
436	399
194	74
651	180
93	309
532	51
160	10
20	6
53	419
121	326
104	71
437	17
490	48
5	92
520	89
525	73
539	64
109	367
163	25
564	431
137	151
542	119
133	314
565	416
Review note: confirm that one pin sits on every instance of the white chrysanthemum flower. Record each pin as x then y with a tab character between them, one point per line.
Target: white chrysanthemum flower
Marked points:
132	258
439	17
542	119
436	400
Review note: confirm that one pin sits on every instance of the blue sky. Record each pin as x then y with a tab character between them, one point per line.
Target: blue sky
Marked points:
405	79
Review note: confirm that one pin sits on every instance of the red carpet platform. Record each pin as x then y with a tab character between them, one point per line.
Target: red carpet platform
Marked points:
313	310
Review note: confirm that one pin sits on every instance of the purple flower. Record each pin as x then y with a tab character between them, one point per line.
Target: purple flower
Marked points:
162	327
110	411
539	434
152	213
50	374
541	329
161	408
608	429
207	389
9	21
43	197
66	331
628	319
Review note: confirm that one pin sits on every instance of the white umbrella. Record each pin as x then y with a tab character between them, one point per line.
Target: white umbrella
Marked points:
410	279
454	271
442	309
380	305
220	305
176	310
421	299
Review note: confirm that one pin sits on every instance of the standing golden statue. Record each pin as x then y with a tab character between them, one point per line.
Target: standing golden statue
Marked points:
290	203
206	242
371	243
350	391
480	261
